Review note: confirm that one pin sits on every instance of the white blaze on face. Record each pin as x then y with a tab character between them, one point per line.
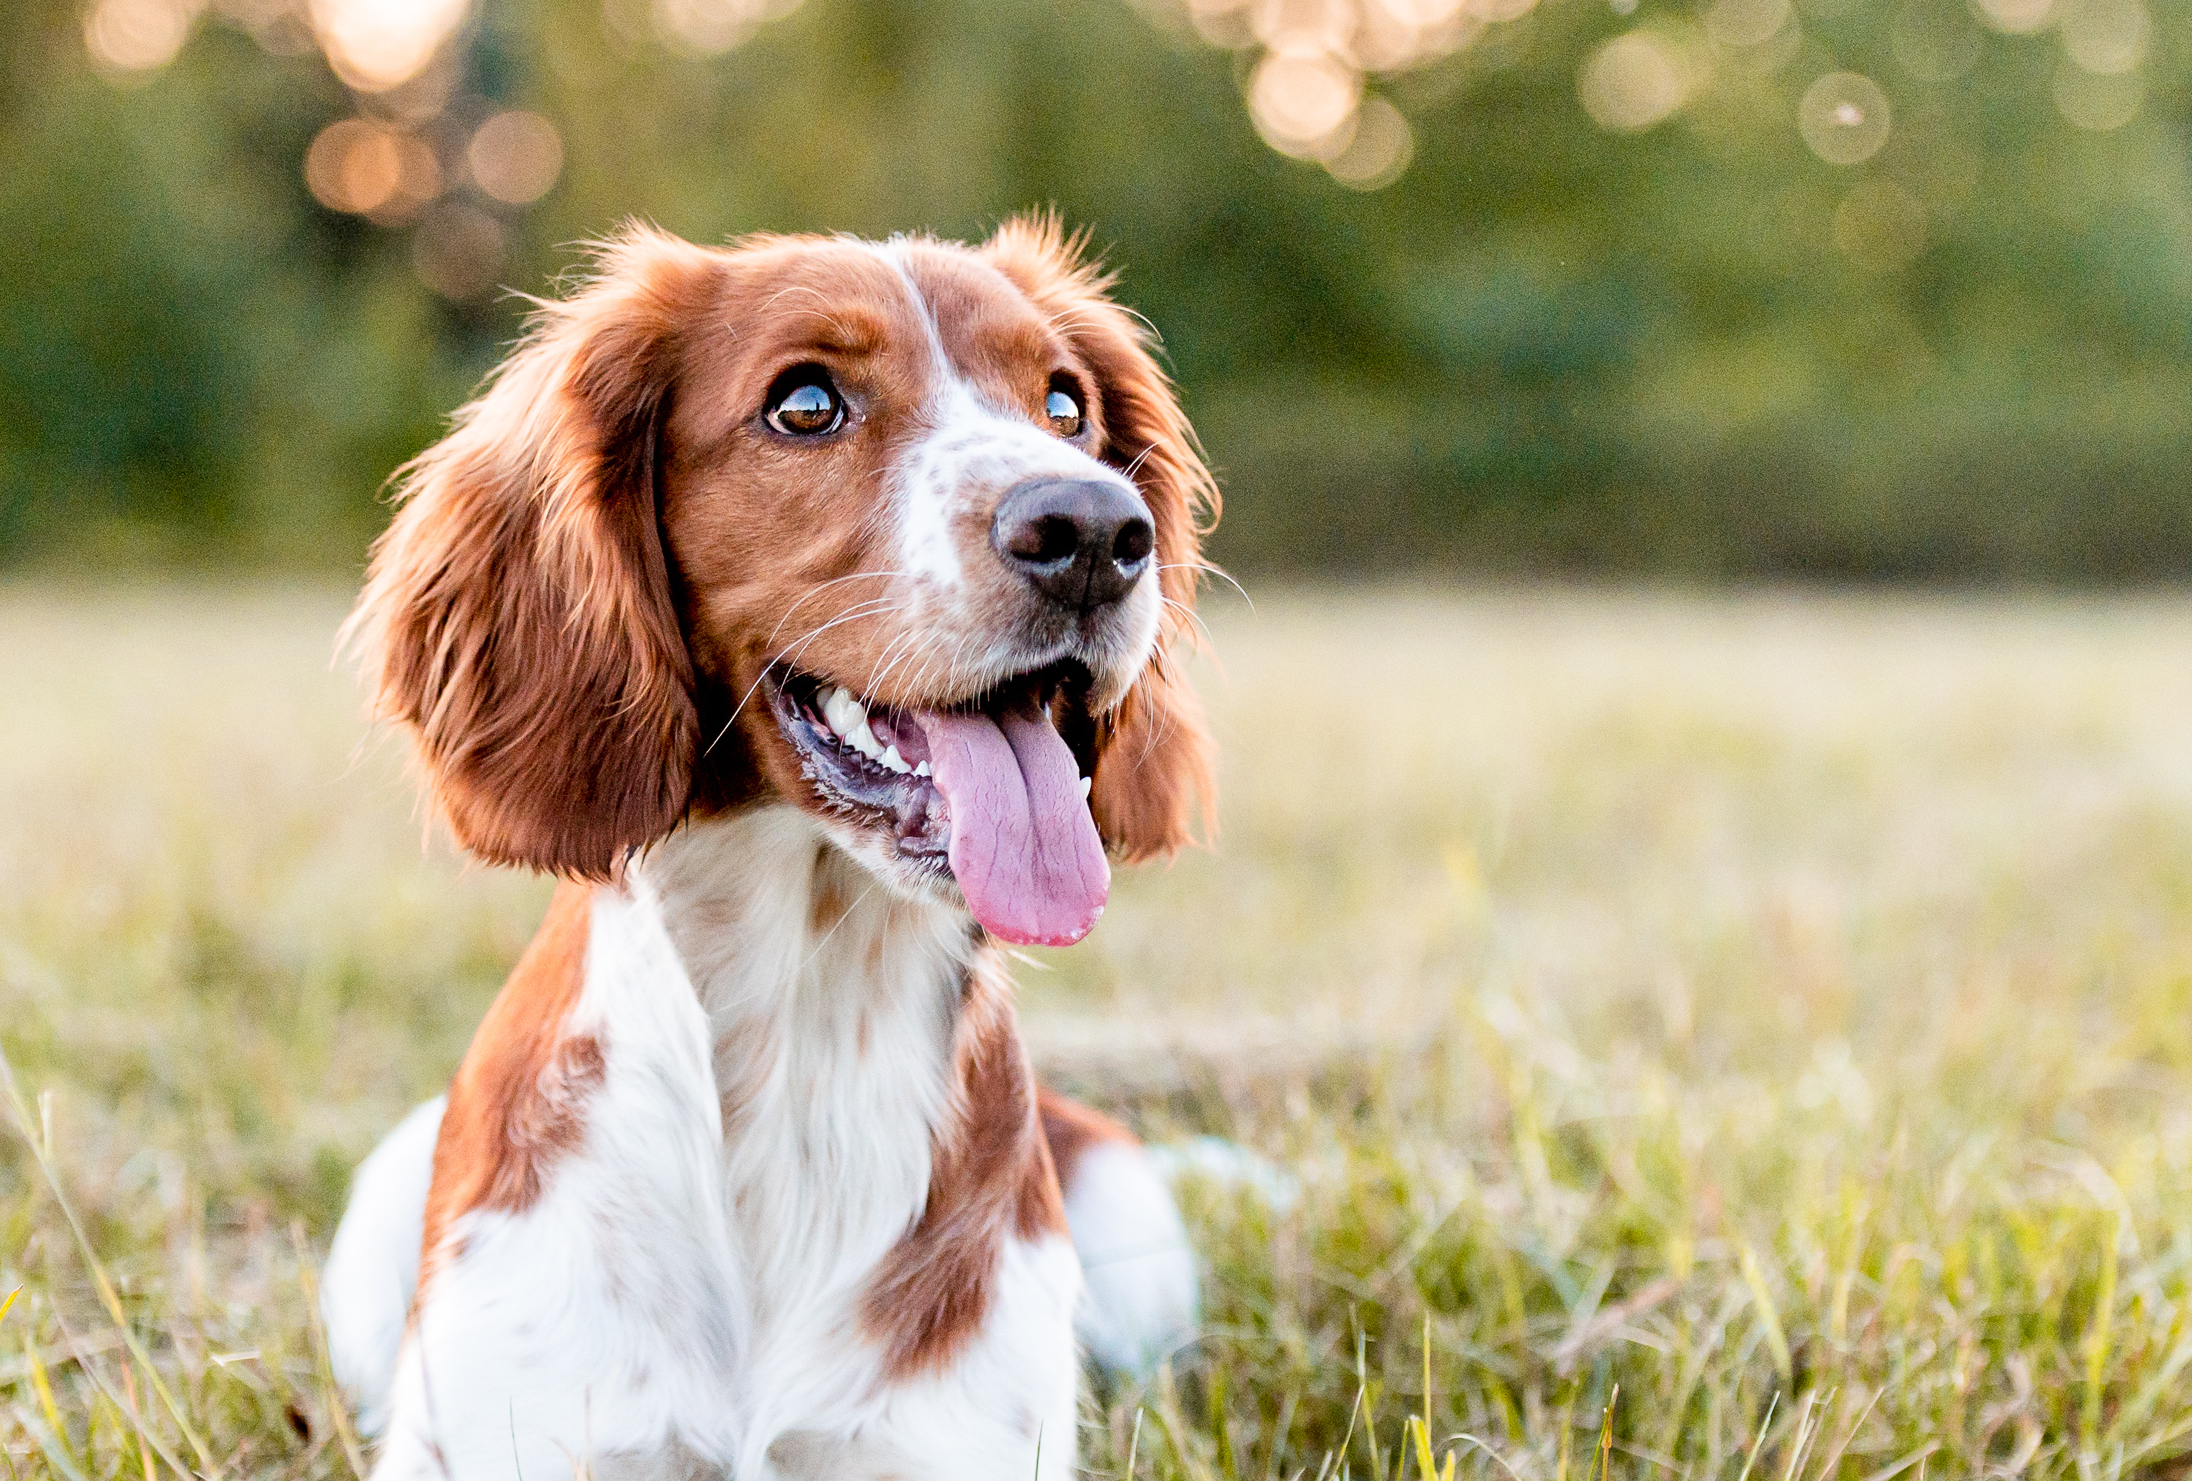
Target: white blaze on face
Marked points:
968	455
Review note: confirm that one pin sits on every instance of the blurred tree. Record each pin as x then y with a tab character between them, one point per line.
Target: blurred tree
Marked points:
1895	288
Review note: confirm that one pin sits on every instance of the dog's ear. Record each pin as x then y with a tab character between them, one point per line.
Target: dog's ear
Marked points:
518	619
1154	776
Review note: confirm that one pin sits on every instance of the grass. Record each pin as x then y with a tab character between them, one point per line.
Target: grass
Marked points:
1736	1039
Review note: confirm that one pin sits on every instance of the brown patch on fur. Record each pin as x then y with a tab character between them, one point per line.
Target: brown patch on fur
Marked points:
1155	774
1070	1129
743	1055
991	1179
518	1102
518	619
826	904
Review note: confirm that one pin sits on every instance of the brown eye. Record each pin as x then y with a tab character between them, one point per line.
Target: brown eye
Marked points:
803	403
1064	410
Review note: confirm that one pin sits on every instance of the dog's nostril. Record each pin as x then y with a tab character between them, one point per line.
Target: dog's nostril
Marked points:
1133	545
1044	541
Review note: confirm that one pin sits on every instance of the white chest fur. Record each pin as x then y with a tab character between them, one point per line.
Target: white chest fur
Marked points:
692	1289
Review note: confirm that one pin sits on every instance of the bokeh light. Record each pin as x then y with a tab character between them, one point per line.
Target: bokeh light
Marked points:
1304	104
1394	35
1310	70
1635	80
2016	17
1308	66
515	157
1379	152
378	45
710	27
1497	11
1746	23
2098	101
368	169
278	26
1843	116
134	36
1309	63
2105	36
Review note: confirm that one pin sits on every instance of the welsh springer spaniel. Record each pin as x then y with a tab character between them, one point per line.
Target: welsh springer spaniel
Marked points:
814	609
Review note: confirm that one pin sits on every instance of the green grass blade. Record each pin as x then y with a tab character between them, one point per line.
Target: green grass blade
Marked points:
107	1295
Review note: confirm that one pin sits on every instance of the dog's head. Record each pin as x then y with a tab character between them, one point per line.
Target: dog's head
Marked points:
904	534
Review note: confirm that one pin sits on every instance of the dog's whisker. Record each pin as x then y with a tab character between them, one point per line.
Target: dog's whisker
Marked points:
1207	568
1190	614
817	591
923	643
958	653
872	607
1140	458
878	671
933	655
880	606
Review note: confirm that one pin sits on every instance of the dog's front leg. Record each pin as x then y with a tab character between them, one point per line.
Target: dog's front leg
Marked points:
579	1306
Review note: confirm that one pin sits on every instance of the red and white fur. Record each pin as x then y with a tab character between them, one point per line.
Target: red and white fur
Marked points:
746	1173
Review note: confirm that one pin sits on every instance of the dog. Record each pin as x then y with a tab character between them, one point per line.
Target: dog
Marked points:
815	610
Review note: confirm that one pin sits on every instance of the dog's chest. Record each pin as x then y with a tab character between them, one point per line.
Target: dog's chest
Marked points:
831	1014
830	1096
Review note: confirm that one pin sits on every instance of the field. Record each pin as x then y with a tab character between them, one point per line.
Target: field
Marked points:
1713	1037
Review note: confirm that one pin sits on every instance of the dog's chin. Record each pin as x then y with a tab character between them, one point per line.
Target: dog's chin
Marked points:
920	882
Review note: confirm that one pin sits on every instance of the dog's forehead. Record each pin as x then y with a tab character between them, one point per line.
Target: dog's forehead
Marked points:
832	289
906	298
979	314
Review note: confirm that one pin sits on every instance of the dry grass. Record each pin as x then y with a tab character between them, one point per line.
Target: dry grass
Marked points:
1780	1009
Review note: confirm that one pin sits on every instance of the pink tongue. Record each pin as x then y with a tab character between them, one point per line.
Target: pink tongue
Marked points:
1023	846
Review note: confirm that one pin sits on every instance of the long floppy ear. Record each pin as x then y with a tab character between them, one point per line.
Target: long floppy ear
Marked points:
517	619
1154	771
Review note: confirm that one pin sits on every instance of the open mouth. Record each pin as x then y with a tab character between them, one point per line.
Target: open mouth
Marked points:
992	792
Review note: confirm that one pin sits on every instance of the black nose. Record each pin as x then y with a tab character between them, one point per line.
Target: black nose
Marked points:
1082	543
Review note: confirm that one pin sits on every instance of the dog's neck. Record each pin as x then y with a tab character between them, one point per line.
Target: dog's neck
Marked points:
832	1006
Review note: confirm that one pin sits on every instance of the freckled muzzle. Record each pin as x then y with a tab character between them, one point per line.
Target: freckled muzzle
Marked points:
992	794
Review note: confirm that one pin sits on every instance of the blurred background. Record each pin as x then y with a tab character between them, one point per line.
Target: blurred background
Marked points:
1716	1019
1708	289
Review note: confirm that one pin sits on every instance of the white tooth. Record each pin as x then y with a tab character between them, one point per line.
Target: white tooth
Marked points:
922	769
893	760
848	717
1086	783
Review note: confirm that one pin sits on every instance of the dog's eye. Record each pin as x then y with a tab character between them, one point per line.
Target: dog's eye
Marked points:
804	403
1063	408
